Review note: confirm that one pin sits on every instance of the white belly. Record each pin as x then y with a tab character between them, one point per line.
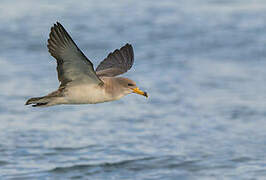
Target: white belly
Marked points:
86	94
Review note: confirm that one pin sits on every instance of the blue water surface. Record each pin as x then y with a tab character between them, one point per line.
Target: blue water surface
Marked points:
202	62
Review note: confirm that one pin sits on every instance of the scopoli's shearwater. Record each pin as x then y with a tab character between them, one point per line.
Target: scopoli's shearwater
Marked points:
80	84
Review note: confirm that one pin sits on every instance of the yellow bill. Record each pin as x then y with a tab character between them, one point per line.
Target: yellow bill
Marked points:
138	91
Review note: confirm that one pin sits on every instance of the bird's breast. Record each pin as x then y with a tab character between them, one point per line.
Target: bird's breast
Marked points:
86	94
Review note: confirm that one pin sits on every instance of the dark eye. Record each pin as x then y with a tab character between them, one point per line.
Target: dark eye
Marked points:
130	84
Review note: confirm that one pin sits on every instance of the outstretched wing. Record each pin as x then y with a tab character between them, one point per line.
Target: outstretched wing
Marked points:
72	64
117	62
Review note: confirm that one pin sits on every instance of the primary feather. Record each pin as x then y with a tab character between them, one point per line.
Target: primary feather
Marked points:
117	62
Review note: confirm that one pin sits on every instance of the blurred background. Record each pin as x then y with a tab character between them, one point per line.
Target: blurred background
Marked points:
201	61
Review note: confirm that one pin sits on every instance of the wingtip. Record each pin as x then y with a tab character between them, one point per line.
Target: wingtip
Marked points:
56	25
59	25
127	44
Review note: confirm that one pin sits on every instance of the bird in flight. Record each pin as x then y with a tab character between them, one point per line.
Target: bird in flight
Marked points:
79	82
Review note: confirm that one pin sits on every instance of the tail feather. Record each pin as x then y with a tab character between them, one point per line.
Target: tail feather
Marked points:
51	99
38	101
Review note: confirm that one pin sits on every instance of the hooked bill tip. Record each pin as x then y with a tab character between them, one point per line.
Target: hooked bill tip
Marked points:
145	94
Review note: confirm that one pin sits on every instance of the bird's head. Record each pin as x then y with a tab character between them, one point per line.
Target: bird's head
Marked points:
129	86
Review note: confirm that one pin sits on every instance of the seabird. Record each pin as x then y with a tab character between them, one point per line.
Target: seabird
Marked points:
79	82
